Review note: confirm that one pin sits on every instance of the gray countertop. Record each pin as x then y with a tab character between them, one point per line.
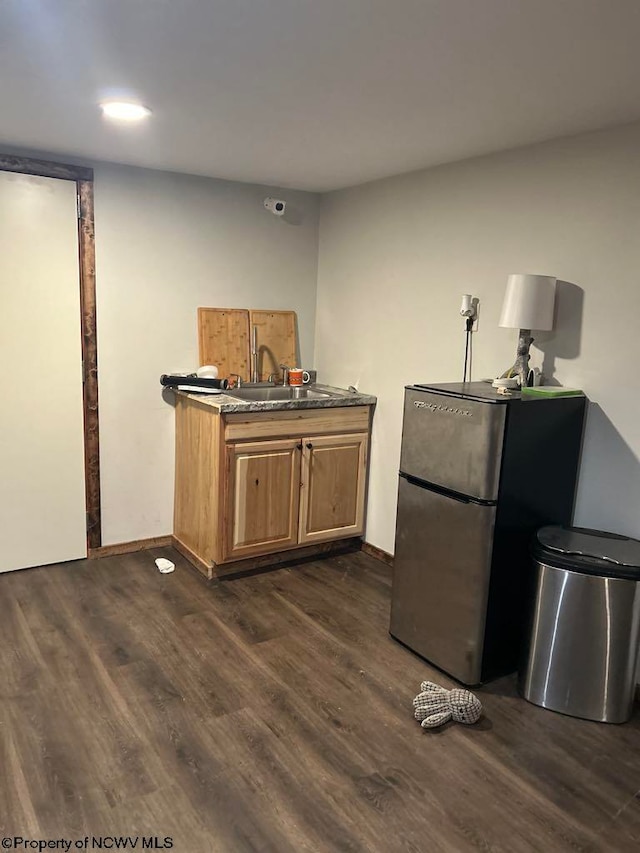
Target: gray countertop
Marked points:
226	404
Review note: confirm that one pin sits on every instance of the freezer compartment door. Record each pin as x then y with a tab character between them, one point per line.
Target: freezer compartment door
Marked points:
453	442
441	575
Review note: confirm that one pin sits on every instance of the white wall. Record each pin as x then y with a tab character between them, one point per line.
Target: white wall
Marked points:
166	244
396	255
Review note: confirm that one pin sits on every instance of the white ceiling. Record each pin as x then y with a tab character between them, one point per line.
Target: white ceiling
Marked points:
313	94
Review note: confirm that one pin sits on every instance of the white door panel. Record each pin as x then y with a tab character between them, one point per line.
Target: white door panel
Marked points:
42	489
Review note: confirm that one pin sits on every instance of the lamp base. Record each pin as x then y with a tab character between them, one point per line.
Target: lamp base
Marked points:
520	368
522	360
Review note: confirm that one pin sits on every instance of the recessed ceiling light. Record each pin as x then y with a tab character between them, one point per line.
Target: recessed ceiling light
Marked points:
124	110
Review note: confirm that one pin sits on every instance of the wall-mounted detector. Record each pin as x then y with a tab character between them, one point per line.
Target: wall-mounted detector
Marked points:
275	205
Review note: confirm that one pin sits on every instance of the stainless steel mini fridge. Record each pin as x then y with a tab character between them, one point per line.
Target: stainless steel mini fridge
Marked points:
479	473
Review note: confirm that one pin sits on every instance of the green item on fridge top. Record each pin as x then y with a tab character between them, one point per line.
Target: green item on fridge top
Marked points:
551	391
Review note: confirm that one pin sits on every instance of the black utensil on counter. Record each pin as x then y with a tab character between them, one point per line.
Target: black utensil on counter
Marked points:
170	381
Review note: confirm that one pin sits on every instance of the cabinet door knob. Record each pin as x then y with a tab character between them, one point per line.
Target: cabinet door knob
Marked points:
309	445
299	446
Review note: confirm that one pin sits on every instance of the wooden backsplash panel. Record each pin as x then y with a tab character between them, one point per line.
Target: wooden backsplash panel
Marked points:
277	341
223	339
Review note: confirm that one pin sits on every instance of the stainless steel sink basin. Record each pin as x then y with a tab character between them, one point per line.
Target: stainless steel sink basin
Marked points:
278	392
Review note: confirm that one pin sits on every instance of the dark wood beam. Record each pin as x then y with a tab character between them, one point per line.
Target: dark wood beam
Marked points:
44	168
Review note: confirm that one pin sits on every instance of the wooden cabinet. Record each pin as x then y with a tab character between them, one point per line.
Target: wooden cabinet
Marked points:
333	487
250	487
262	495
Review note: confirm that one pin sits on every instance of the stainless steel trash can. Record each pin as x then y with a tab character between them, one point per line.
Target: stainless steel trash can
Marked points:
585	627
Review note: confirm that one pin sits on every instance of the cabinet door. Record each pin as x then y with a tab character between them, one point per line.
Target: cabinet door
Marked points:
261	497
333	487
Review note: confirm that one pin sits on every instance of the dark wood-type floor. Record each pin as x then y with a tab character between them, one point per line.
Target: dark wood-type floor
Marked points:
273	713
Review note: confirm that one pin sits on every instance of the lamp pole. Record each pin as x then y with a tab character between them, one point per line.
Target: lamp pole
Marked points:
522	360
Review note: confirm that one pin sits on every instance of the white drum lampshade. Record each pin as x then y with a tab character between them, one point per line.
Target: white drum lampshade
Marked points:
528	302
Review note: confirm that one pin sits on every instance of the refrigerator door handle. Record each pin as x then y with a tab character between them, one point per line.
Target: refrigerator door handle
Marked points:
421	484
455	496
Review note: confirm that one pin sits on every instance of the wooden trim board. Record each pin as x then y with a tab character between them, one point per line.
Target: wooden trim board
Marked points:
130	547
242	565
192	558
44	168
285	558
86	231
377	553
237	568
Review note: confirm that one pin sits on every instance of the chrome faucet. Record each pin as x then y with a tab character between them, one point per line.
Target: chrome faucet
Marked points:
254	355
285	373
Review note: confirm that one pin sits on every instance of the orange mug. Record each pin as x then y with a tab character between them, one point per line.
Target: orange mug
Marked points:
298	376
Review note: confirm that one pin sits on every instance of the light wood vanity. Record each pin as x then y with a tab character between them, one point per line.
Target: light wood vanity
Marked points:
258	487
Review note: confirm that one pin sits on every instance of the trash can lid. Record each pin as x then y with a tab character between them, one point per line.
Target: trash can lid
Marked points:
592	552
